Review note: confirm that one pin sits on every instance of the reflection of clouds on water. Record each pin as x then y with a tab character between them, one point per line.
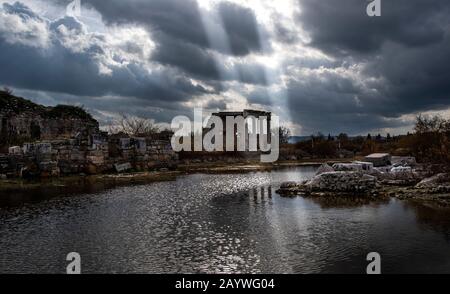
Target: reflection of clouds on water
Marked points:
432	217
347	202
233	223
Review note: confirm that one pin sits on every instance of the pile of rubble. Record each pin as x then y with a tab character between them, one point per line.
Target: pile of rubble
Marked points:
437	184
368	177
342	182
331	183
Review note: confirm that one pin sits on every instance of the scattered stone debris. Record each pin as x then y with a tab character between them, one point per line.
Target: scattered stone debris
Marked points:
324	168
342	182
398	176
358	166
15	150
433	181
332	182
401	169
347	167
122	167
404	179
407	161
379	159
439	195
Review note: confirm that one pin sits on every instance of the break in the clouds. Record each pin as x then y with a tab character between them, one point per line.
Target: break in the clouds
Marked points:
320	65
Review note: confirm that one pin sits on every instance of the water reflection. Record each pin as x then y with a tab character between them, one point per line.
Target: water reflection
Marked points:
221	224
430	217
348	202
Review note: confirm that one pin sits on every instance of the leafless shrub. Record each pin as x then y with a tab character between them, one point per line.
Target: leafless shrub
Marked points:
432	139
8	90
431	124
285	134
134	126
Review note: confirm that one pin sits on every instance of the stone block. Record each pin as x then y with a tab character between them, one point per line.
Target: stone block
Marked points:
122	167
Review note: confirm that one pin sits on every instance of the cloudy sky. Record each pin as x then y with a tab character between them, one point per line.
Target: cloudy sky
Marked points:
321	65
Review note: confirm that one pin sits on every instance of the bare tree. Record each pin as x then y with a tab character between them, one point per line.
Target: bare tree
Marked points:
135	126
285	134
434	124
432	139
8	90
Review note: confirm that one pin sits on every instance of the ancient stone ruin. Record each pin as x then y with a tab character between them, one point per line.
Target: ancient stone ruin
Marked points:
23	121
395	176
43	141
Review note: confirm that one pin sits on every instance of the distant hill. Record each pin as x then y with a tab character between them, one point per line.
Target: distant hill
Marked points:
297	139
10	104
22	120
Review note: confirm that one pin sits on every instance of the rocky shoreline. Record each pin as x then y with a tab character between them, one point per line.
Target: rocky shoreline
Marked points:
131	178
405	181
335	181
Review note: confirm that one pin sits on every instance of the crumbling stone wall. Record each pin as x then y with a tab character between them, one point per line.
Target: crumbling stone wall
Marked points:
63	140
28	126
87	155
22	120
142	153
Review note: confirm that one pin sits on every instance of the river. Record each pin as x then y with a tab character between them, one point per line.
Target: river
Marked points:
220	223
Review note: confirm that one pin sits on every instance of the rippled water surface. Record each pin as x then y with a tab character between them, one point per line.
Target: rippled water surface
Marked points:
231	223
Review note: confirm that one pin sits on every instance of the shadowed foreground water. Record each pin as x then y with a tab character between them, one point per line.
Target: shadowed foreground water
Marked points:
221	224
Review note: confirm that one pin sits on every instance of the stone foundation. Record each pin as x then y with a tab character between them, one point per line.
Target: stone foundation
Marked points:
82	156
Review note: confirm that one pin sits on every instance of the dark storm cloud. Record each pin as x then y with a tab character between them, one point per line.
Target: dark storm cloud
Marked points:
20	9
329	103
176	28
332	103
216	104
241	27
389	66
186	56
179	19
182	20
409	81
60	68
202	65
371	72
416	78
345	28
77	74
108	109
180	35
252	73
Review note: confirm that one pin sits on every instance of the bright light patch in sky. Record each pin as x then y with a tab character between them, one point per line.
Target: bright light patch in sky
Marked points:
160	58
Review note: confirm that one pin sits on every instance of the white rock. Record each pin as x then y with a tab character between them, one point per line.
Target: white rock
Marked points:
347	167
340	181
433	181
324	168
401	169
122	167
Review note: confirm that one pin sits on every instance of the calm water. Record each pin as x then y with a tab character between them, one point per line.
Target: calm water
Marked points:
221	224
